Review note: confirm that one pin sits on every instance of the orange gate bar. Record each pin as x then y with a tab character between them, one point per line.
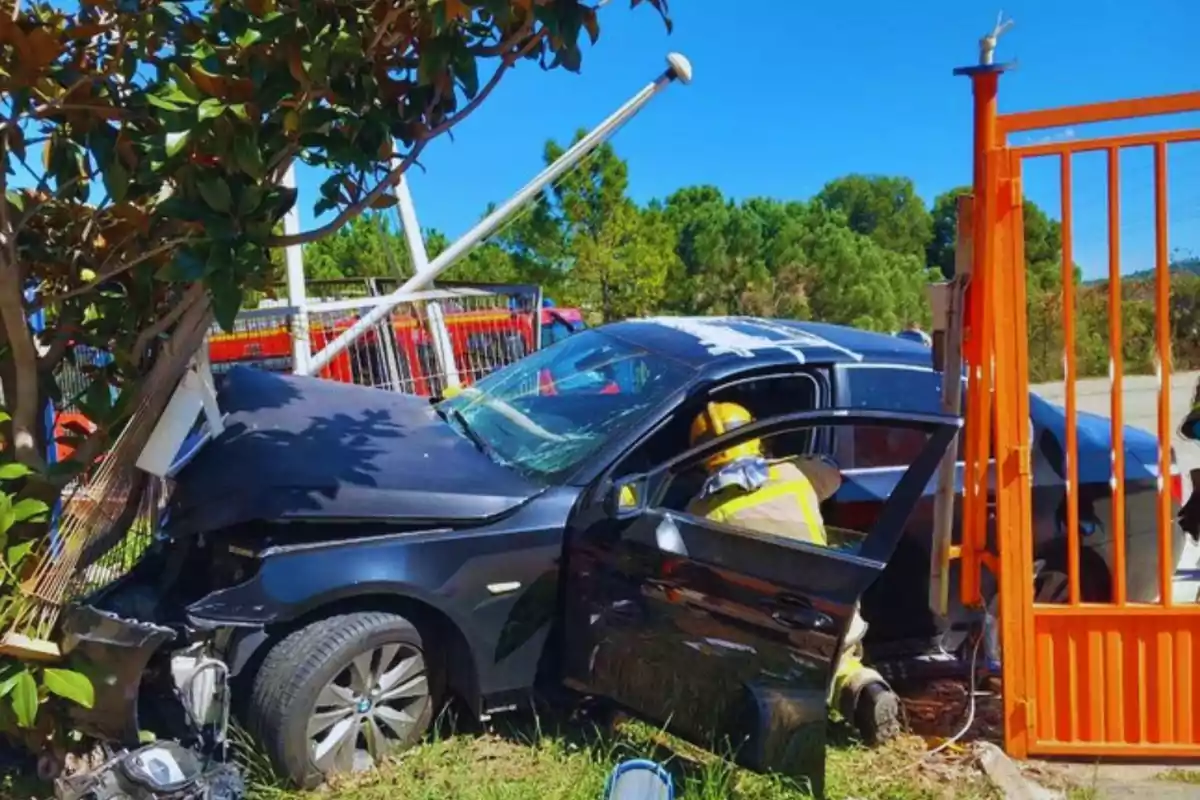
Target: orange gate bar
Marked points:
1114	675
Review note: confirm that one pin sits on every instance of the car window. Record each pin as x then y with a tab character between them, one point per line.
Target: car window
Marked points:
792	499
555	332
894	388
545	414
888	389
763	396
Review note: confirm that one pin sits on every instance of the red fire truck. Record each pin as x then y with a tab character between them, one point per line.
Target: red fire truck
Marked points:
481	341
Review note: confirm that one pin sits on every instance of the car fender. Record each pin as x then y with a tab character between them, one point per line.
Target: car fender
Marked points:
497	587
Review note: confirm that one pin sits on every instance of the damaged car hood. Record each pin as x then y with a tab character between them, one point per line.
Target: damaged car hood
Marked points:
298	448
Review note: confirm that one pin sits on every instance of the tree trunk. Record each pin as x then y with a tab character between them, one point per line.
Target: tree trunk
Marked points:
22	395
156	391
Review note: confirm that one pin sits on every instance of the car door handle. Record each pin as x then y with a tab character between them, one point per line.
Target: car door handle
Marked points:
798	612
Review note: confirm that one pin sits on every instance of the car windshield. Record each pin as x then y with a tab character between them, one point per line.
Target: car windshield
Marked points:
545	414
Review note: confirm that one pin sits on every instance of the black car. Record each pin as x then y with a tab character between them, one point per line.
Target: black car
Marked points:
354	557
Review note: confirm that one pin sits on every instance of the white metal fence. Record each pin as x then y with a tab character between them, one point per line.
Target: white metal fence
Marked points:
447	336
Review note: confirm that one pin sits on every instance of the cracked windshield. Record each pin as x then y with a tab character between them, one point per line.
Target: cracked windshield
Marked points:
546	413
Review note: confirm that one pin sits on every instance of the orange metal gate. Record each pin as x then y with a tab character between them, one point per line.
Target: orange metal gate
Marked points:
1082	679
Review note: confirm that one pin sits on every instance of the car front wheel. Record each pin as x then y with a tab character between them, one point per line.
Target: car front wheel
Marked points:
341	694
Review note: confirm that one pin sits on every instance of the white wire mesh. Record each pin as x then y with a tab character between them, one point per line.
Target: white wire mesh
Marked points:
481	330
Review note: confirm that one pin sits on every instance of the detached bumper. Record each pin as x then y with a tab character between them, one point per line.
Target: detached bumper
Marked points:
114	652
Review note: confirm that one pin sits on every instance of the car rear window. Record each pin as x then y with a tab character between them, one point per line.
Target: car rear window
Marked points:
890	389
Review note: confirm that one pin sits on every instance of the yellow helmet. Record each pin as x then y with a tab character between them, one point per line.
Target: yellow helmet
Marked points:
717	419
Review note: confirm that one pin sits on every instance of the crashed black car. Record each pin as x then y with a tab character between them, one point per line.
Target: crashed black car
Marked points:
351	558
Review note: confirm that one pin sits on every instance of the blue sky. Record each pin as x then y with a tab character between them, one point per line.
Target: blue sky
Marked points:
790	94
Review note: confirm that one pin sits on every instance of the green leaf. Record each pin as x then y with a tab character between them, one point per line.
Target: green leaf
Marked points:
216	193
165	105
185	83
116	181
18	552
211	109
16	199
176	142
28	508
467	71
185	265
25	699
226	299
5	416
10	673
251	199
249	157
70	685
219	258
98	399
12	471
248	37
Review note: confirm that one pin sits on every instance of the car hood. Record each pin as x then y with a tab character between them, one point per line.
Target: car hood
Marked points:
305	448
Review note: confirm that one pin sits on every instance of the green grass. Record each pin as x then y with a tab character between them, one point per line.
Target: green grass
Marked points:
1191	776
529	762
532	759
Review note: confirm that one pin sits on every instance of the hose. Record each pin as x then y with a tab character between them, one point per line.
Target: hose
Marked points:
970	706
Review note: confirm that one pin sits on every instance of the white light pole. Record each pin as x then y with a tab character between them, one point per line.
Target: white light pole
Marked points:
678	68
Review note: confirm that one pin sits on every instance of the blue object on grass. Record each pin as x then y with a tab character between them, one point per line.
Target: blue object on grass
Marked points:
639	779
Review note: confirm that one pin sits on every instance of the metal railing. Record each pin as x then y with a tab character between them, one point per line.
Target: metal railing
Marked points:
454	334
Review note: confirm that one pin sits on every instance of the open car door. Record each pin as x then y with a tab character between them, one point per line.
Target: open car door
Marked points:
728	637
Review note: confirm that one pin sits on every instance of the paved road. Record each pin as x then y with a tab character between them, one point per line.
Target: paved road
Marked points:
1141	405
1140	397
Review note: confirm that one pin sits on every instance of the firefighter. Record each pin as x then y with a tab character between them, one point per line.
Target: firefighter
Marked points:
782	498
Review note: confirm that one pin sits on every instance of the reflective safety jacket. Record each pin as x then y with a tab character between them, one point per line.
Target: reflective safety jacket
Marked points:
785	505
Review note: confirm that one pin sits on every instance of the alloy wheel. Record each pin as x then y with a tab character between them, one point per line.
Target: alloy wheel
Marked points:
375	702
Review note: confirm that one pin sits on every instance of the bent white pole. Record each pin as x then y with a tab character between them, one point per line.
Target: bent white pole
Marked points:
678	69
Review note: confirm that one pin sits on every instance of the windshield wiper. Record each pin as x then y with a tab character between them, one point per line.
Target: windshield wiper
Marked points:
477	440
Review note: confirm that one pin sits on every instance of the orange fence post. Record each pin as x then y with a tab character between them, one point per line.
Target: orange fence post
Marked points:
978	328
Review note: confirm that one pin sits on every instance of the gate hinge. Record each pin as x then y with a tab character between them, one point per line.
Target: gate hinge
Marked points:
1023	461
1015	196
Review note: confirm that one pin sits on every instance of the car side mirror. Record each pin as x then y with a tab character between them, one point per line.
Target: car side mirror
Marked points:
627	497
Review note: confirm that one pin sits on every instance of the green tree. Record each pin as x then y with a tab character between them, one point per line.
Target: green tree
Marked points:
1043	240
885	208
944	230
720	252
591	242
365	247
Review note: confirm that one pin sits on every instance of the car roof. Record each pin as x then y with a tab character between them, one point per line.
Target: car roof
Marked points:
722	343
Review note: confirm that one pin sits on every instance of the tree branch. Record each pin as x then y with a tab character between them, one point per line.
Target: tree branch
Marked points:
393	177
23	400
141	345
170	244
58	348
350	212
488	51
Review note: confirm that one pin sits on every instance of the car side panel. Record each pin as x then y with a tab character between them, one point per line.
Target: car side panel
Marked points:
497	584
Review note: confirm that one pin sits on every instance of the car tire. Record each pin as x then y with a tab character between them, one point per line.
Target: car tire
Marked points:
341	694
